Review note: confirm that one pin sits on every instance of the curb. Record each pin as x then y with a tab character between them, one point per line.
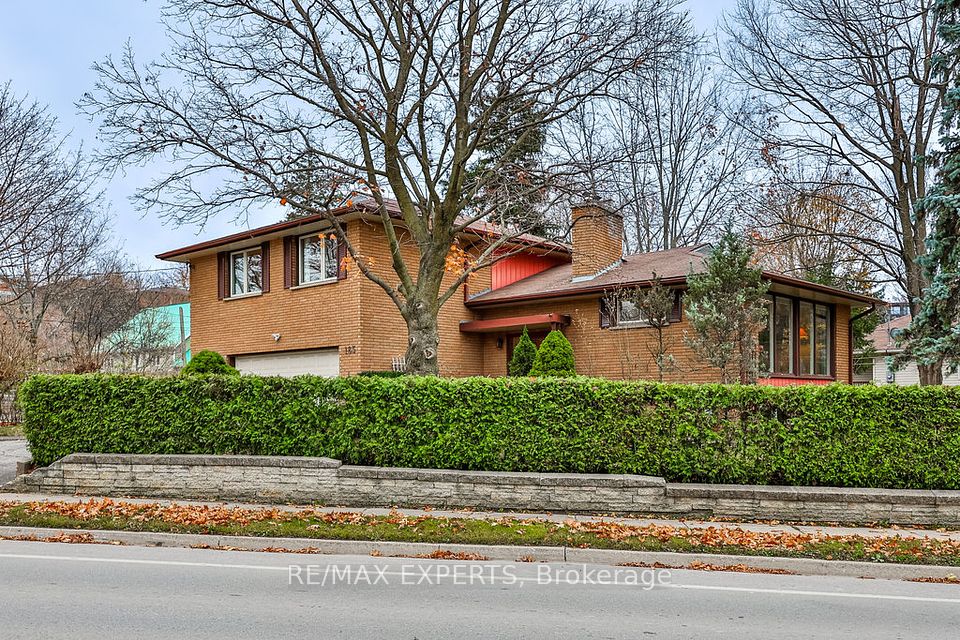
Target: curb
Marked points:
503	553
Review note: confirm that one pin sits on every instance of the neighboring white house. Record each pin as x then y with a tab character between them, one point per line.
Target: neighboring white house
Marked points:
882	371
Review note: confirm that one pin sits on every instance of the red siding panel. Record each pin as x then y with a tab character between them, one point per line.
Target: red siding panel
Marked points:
520	266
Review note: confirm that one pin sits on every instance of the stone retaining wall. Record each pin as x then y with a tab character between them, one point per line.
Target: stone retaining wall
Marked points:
264	479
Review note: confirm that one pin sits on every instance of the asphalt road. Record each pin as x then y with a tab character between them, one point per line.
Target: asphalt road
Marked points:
77	591
11	451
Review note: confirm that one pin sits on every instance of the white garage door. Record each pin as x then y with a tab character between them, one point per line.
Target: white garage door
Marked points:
322	362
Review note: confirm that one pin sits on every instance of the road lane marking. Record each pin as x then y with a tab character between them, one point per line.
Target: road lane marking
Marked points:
816	594
515	579
171	563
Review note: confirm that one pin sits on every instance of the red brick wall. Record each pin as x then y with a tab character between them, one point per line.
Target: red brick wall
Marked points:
358	317
326	315
629	353
597	238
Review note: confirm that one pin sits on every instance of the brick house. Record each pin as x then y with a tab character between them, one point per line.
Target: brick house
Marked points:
280	300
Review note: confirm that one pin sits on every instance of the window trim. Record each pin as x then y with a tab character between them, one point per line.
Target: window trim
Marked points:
612	313
229	267
794	338
630	324
301	284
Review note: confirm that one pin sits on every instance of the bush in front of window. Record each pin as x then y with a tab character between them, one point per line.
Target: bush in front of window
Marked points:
208	362
523	355
900	437
554	357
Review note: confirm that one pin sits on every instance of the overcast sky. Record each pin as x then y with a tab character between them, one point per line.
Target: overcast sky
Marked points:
46	50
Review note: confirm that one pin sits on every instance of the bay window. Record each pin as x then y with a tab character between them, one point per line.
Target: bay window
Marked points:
246	272
797	339
318	258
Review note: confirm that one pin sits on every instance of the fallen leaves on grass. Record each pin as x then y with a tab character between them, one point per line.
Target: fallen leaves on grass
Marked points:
703	566
951	579
730	537
445	554
302	550
110	513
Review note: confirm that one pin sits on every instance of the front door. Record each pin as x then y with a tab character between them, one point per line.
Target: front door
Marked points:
514	338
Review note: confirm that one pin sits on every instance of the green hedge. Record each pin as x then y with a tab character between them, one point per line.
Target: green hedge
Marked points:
902	437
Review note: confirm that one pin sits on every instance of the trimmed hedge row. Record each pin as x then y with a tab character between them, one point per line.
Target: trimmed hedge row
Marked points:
896	437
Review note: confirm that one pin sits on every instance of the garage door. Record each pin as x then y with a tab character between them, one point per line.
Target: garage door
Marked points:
321	362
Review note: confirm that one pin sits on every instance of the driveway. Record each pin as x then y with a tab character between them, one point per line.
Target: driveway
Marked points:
12	450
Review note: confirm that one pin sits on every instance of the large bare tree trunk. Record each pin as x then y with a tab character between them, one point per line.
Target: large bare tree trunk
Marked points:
423	340
929	374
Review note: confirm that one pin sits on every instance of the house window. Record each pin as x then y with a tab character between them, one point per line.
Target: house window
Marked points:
246	272
318	258
629	314
797	338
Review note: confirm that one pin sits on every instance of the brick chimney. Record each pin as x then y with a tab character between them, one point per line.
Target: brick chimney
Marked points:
597	237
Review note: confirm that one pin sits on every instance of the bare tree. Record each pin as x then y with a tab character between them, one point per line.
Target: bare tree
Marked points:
50	227
96	306
695	152
852	84
649	308
670	147
796	199
312	102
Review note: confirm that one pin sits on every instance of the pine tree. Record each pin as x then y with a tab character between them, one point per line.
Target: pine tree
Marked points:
726	308
554	357
523	355
509	164
933	337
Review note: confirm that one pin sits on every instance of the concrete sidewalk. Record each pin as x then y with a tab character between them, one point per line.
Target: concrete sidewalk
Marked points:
771	527
12	451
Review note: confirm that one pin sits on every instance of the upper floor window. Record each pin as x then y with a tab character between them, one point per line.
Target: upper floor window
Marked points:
318	258
797	339
246	272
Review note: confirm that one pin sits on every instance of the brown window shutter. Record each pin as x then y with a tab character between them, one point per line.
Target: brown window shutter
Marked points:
265	262
676	314
223	276
291	266
341	260
606	317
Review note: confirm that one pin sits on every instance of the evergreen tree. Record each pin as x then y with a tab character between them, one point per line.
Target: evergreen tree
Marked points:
509	163
726	308
208	362
523	355
554	357
933	337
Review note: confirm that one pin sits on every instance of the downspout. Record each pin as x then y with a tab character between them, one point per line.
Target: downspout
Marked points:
873	307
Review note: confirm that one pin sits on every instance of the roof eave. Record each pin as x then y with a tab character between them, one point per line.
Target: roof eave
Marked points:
672	281
571	293
184	254
774	276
